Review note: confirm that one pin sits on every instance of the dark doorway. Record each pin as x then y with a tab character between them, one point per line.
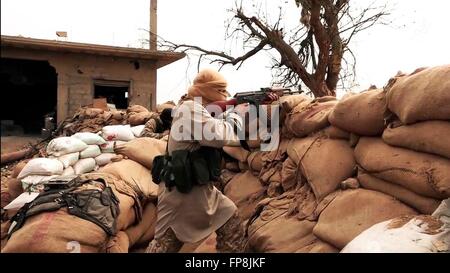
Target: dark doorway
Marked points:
29	94
115	92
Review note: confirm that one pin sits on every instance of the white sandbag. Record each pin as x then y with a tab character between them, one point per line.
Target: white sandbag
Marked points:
109	146
90	151
41	166
418	234
65	145
104	158
117	132
69	159
35	180
137	130
90	138
84	165
68	171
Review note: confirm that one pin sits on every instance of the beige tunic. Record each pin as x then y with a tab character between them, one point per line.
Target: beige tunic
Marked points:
196	215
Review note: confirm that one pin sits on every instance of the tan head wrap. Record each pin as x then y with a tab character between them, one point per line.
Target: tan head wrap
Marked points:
210	85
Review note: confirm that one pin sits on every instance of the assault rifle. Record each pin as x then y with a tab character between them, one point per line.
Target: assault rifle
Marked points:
260	97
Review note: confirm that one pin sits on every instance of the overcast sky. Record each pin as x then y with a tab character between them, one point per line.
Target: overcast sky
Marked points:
417	37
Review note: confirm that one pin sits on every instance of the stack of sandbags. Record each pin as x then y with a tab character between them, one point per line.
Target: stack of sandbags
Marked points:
275	231
62	232
93	119
418	179
138	115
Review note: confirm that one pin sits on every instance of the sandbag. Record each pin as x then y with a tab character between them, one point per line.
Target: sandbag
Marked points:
14	188
142	150
275	231
69	159
424	95
422	173
144	231
408	234
139	118
41	166
36	179
134	174
290	102
90	138
137	109
109	146
306	119
84	165
428	137
289	174
68	171
422	204
353	211
362	113
137	130
323	162
334	132
244	190
19	167
65	145
104	158
254	161
237	153
90	151
56	232
117	132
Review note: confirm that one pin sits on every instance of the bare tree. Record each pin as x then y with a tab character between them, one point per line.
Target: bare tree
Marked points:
314	53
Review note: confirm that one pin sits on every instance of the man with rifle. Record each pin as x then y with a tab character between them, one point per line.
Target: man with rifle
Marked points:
190	208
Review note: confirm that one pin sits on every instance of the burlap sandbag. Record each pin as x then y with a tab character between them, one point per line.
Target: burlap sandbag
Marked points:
136	109
290	102
323	162
428	137
289	174
306	119
422	204
144	231
275	232
424	174
362	113
142	150
139	118
14	188
353	211
318	246
254	161
334	132
56	232
424	95
134	174
244	190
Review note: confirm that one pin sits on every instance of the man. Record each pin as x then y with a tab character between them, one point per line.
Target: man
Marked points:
191	217
158	126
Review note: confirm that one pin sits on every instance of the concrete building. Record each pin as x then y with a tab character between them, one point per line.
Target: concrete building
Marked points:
39	76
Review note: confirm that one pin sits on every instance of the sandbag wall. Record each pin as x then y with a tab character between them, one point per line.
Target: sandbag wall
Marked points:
344	166
116	154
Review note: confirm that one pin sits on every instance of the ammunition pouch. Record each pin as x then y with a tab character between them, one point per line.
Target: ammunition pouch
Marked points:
184	169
